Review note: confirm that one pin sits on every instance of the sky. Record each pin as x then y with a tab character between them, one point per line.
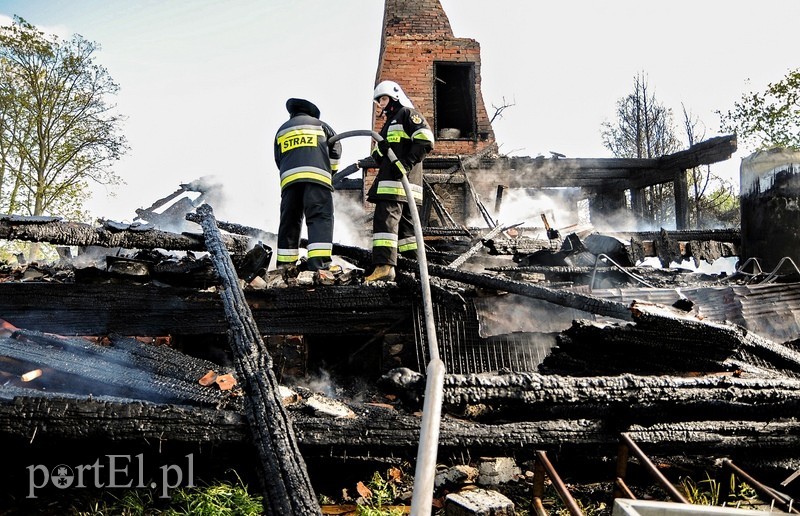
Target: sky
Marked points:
203	83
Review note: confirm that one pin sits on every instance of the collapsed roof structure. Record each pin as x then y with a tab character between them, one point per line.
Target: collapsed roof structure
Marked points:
554	337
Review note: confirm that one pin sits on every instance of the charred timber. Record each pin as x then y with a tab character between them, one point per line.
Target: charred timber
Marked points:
605	174
285	482
77	234
730	235
84	372
623	398
581	437
665	341
59	417
236	229
565	298
685	326
100	309
382	432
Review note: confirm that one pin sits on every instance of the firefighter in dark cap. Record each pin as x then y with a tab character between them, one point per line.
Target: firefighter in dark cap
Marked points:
307	163
410	137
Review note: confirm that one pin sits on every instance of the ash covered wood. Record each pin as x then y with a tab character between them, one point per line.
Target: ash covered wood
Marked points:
100	309
666	340
57	417
76	366
559	297
74	233
286	484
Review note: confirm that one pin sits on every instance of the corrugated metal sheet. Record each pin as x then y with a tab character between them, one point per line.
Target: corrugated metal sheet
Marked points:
769	310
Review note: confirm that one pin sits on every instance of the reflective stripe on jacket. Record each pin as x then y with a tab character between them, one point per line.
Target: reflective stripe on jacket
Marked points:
410	138
302	152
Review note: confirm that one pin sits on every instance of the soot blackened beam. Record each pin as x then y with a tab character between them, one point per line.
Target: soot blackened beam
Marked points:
31	229
286	484
566	298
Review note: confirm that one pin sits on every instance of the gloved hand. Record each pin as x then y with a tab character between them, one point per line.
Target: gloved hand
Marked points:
383	146
396	172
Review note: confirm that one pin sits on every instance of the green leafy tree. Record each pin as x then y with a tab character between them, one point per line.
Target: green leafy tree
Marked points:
644	129
767	119
58	131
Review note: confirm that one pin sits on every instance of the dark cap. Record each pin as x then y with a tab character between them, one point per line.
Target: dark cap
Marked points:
295	106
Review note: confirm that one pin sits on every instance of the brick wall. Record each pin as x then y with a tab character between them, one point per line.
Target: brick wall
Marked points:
409	61
415	36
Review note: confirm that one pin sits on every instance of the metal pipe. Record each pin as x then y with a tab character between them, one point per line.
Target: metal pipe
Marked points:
498	200
624	489
563	493
653	470
434	383
781	499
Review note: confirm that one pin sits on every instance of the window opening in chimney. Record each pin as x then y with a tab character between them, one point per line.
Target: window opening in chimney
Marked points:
454	101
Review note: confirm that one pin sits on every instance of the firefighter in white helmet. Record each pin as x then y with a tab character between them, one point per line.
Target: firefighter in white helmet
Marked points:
408	134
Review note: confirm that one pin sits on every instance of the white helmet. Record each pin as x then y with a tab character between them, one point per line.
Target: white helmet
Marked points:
392	90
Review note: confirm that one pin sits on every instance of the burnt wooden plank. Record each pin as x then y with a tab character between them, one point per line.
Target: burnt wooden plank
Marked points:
624	398
100	309
602	173
379	432
565	298
78	372
285	483
68	417
78	234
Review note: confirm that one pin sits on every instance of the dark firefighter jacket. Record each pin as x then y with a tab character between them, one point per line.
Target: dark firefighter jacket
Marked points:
411	139
302	152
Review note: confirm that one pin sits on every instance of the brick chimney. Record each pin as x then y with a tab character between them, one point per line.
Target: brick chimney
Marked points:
439	72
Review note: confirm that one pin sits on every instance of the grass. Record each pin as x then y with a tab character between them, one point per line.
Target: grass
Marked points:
218	499
708	491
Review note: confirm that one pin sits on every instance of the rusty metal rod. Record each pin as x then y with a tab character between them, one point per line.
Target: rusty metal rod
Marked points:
623	487
762	488
538	508
651	468
563	493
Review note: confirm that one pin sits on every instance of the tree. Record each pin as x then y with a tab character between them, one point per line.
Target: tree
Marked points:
768	119
644	129
57	130
712	199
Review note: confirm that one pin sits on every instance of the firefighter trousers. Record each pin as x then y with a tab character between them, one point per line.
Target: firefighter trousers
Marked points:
392	232
314	202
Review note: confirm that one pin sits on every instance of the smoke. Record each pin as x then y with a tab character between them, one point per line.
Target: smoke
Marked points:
528	206
352	223
322	383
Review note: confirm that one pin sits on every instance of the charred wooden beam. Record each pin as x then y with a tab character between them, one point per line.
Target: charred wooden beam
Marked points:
606	174
286	484
78	234
667	341
76	309
236	229
384	432
602	174
689	326
730	235
626	397
706	152
87	372
390	431
559	297
62	416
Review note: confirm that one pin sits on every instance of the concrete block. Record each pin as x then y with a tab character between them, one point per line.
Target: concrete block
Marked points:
497	470
478	502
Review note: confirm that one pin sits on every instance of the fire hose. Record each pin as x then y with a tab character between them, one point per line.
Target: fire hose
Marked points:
434	375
